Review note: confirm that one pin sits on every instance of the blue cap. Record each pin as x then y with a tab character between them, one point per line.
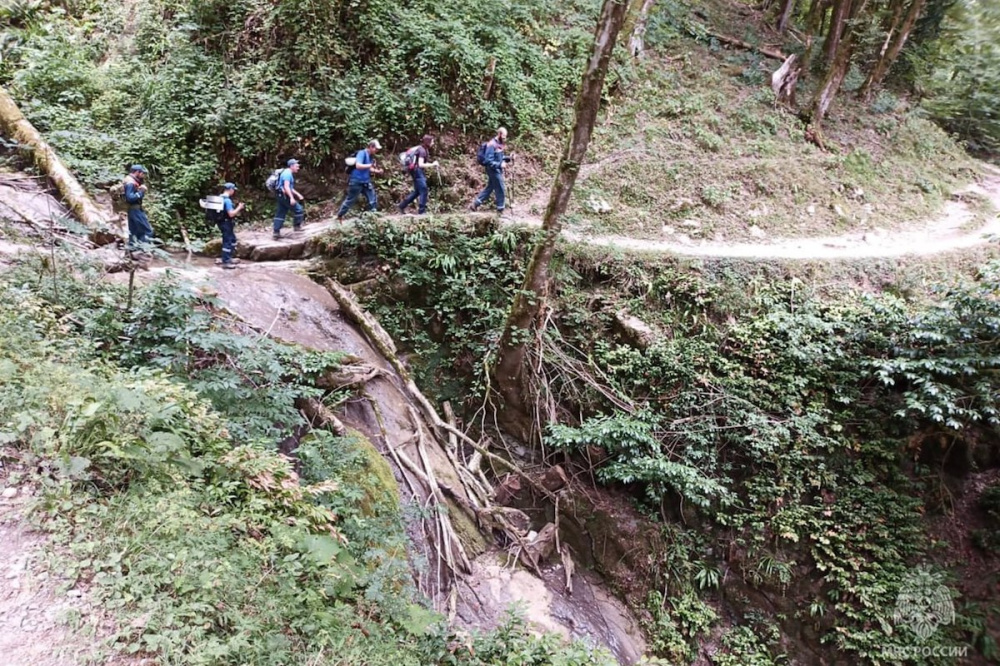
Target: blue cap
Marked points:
229	186
292	162
137	167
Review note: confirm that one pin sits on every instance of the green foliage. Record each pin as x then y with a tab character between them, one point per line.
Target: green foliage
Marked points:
677	624
962	74
458	287
797	411
743	646
948	355
205	547
202	92
639	456
253	381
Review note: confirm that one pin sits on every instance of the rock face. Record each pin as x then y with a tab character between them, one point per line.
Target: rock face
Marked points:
589	614
260	246
293	308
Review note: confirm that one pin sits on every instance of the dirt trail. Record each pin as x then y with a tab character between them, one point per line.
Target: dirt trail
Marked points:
40	621
947	233
944	234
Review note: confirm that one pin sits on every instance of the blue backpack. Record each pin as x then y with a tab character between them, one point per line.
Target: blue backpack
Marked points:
481	153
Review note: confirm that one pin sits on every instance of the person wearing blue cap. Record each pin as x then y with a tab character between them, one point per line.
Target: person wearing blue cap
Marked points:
288	200
140	232
227	225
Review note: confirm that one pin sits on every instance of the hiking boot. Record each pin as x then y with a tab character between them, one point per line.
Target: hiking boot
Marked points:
228	265
234	260
297	230
473	206
340	220
402	211
276	236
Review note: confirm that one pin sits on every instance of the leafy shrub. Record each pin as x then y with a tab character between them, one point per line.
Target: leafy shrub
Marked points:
176	86
208	548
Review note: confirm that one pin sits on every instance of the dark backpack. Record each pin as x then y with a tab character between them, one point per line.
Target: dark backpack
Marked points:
481	153
215	217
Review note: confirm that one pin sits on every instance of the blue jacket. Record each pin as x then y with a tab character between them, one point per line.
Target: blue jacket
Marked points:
494	155
133	195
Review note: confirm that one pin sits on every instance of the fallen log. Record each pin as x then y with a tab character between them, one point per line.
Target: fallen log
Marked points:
17	127
732	41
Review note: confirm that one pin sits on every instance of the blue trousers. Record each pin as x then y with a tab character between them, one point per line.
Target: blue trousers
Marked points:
354	190
228	229
284	205
139	229
419	192
494	185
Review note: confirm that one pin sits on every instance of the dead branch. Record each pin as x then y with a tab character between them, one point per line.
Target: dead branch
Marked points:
763	50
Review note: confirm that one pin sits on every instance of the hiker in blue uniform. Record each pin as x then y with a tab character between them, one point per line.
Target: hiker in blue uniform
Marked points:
227	225
289	199
494	161
140	232
421	155
361	179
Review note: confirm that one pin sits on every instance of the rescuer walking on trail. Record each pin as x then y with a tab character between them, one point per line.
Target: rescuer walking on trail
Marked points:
491	156
140	232
227	225
288	199
361	179
415	160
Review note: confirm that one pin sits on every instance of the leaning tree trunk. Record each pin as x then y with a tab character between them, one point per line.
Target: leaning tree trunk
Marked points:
894	42
838	23
509	369
17	127
786	15
830	86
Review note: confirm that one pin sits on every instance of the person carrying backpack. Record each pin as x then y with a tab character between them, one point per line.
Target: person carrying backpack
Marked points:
140	231
416	160
491	157
288	199
227	225
360	181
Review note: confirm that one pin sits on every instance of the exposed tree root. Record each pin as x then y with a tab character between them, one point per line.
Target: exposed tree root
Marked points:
467	490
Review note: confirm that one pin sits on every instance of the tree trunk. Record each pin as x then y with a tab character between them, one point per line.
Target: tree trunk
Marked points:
636	44
17	128
838	22
509	369
786	15
895	40
785	79
827	90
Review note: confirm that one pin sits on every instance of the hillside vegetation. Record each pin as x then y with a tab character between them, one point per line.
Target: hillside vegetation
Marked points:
691	142
800	450
769	464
